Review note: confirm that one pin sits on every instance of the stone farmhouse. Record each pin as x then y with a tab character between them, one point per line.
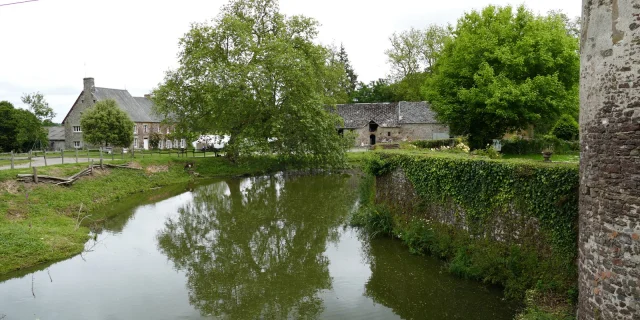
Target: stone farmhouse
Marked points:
391	122
139	109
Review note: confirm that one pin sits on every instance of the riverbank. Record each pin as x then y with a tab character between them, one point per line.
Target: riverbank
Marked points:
43	223
506	222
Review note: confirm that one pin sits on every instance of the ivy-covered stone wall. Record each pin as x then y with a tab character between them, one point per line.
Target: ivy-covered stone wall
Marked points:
513	223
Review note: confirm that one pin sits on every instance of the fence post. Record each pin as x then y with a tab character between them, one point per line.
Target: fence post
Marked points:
122	152
62	155
45	158
12	159
113	154
76	155
30	156
35	175
91	167
88	155
101	158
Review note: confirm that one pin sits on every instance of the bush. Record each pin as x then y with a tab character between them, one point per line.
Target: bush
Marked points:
566	128
435	144
530	146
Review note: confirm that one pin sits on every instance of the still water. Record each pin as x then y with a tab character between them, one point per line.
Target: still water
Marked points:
270	247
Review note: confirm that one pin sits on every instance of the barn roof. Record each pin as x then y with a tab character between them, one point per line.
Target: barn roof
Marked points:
358	115
56	133
139	109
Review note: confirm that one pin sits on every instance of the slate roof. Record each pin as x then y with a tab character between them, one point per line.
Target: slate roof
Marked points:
56	133
139	109
394	114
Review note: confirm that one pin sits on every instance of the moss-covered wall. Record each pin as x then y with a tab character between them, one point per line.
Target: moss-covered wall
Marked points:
513	223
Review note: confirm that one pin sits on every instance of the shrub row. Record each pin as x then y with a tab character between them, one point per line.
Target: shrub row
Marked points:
435	144
483	189
524	146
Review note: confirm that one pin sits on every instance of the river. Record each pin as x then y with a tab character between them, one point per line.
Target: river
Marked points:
271	247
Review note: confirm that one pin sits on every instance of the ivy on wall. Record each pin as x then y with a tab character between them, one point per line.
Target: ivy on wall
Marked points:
484	188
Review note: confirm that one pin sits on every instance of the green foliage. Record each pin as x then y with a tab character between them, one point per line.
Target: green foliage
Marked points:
350	83
486	190
259	77
566	128
415	51
525	69
376	91
489	152
154	140
535	146
20	129
39	106
105	124
434	144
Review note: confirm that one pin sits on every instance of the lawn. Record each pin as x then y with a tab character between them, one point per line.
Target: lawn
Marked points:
571	158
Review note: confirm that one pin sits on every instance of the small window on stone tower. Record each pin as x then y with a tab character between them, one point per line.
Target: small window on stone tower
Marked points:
388	134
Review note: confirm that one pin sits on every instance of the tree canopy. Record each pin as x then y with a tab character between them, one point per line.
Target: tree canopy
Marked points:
20	130
350	83
39	106
257	75
415	51
504	71
106	124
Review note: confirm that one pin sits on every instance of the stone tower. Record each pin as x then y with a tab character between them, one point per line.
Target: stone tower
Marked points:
609	243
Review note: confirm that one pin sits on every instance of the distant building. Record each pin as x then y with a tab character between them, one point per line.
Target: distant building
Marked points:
56	138
139	109
391	122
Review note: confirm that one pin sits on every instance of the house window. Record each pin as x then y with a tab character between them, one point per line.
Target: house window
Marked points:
76	129
160	144
388	134
135	129
168	131
135	142
169	145
182	143
158	128
145	128
76	144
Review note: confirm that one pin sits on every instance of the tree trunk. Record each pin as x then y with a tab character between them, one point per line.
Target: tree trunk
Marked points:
609	241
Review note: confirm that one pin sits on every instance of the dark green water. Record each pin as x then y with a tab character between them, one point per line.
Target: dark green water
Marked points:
256	248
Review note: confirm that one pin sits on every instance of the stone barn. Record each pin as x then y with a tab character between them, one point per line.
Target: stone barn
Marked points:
391	122
56	138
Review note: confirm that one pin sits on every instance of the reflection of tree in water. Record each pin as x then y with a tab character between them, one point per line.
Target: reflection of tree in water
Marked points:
255	248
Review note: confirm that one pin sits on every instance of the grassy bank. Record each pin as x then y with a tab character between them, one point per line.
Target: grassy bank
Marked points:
41	223
535	267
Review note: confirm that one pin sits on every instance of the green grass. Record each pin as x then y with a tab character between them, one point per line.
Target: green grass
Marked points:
38	224
15	162
570	158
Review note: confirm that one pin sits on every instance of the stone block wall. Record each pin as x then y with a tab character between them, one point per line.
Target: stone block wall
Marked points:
609	243
406	132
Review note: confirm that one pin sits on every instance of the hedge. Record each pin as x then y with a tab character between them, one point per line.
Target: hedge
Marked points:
435	144
482	188
524	146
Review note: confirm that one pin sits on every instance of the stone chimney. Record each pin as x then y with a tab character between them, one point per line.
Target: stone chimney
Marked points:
89	85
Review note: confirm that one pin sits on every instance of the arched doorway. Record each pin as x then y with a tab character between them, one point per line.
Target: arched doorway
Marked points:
372	139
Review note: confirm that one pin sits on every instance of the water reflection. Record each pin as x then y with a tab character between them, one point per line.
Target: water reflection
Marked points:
256	249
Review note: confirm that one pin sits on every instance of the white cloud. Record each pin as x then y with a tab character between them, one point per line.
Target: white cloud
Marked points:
50	45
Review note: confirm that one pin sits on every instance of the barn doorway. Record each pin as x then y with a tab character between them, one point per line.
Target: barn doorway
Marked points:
372	139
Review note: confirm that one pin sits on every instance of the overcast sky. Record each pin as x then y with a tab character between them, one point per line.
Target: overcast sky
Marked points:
50	45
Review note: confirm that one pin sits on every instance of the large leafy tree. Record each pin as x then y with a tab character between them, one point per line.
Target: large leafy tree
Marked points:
258	76
415	51
106	124
504	71
39	106
19	129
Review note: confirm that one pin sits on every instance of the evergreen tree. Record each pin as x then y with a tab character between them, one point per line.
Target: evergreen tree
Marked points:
352	77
